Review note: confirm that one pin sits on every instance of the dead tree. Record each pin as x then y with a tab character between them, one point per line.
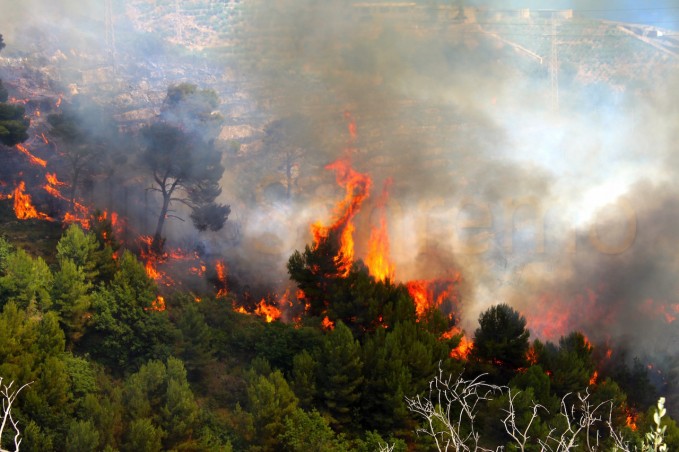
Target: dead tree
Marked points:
451	409
8	397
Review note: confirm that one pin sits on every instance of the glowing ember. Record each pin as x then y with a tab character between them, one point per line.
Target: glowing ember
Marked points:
151	270
593	378
357	188
23	205
588	344
631	418
70	218
221	277
327	323
378	247
268	312
198	270
33	159
531	356
158	304
53	180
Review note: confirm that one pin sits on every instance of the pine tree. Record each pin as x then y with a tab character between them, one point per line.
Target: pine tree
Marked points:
340	377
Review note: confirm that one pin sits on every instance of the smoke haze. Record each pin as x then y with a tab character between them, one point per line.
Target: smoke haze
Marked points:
561	203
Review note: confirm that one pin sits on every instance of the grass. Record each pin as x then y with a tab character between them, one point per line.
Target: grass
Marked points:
37	237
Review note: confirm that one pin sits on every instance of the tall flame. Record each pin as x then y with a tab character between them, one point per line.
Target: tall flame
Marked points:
377	260
221	277
418	292
357	188
23	204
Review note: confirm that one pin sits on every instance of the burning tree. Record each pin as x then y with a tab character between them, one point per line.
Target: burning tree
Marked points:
185	165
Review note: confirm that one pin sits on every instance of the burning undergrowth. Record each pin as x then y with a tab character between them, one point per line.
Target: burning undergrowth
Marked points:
459	122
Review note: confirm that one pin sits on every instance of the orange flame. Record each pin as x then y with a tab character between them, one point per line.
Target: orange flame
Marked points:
593	378
158	304
23	205
357	188
221	277
418	292
465	346
268	312
53	180
33	159
327	323
151	270
70	218
532	356
377	260
428	294
631	418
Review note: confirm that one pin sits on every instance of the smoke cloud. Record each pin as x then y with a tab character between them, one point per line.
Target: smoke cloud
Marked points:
559	201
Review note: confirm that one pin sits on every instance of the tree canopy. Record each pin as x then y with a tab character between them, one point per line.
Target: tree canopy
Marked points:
179	151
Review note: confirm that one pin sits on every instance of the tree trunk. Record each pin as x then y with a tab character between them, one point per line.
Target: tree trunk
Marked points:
157	244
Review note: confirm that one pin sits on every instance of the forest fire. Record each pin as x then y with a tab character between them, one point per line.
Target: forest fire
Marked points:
531	356
267	311
33	159
631	418
222	290
377	259
327	323
158	304
23	205
593	379
357	188
465	346
429	294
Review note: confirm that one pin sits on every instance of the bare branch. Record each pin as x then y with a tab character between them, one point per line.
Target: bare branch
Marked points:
8	398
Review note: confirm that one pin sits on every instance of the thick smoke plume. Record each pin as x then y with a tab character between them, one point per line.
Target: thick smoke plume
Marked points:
496	174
